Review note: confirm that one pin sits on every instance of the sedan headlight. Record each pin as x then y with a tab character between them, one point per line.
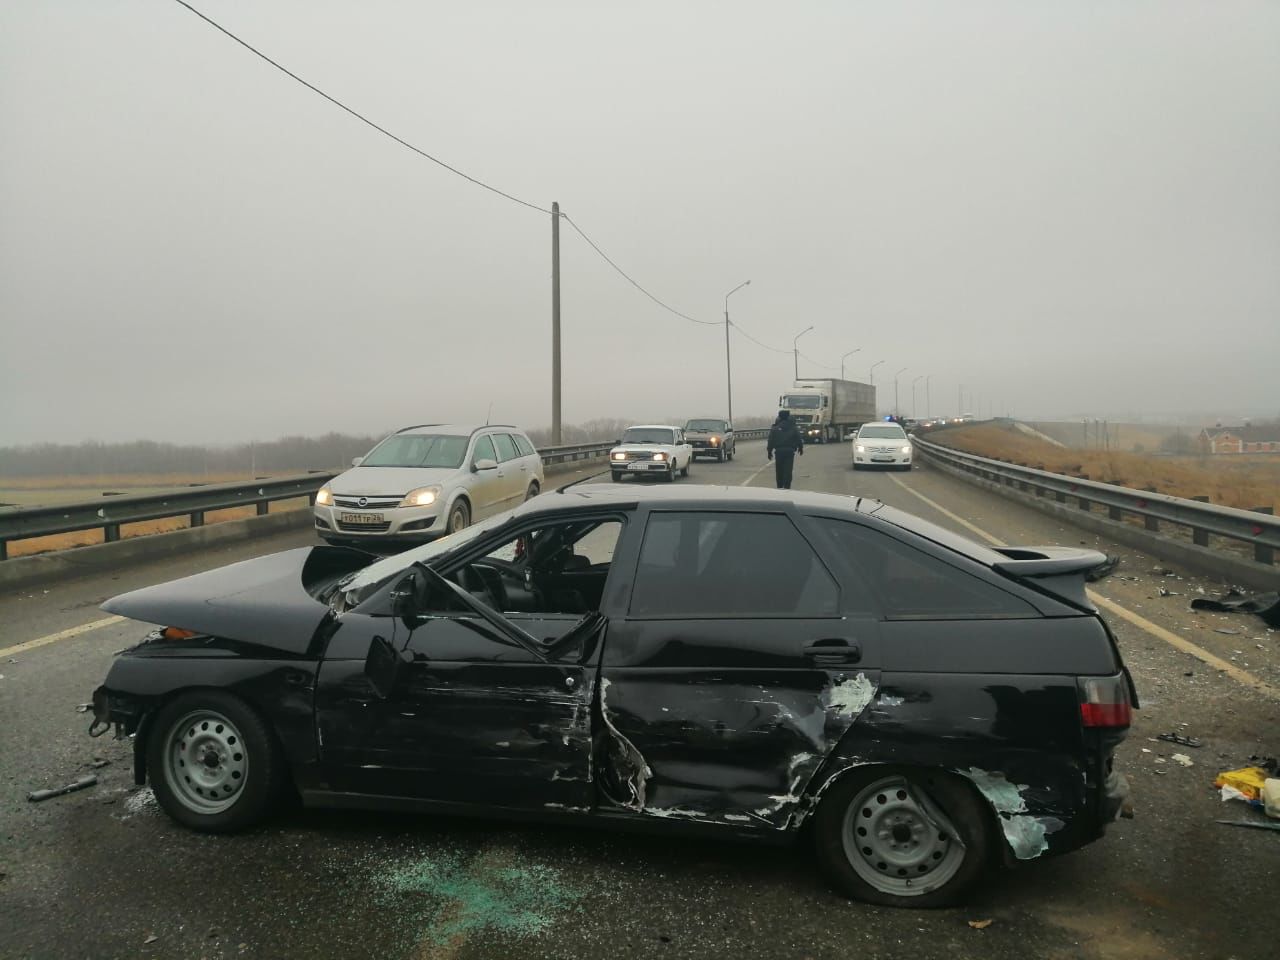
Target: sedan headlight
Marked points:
422	497
659	456
860	448
715	441
618	455
324	497
907	448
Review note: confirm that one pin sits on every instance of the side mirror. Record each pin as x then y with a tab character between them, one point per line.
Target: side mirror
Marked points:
404	596
485	464
356	461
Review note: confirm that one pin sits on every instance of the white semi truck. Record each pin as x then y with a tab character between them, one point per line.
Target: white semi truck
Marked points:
828	409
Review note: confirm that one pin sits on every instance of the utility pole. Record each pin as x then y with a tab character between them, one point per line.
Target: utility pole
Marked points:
915	411
728	370
928	405
556	436
897	411
960	400
845	357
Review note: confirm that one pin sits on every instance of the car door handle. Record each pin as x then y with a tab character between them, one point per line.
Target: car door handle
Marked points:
833	650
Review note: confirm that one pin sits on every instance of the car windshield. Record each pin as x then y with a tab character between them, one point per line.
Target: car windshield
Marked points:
707	425
361	584
802	401
648	435
887	432
418	450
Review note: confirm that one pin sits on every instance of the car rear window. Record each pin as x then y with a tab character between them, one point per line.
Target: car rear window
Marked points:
523	445
910	584
696	565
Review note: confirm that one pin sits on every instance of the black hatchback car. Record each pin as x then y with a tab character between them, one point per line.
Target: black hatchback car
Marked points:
744	663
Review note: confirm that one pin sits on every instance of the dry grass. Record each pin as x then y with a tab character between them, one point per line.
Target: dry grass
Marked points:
1242	481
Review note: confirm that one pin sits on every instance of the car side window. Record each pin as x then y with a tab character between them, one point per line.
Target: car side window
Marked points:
729	565
523	445
505	446
910	584
484	450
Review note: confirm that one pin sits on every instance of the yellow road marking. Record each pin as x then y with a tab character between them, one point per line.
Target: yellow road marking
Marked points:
1142	623
60	635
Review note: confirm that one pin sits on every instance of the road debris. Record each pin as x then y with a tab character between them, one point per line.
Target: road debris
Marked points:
83	707
1183	759
98	763
980	924
1248	781
152	938
1180	740
35	796
1255	824
1271	798
1235	600
1227	632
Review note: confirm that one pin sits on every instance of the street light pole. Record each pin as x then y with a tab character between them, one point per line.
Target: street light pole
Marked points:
556	438
846	356
871	376
897	411
728	370
928	404
795	348
915	411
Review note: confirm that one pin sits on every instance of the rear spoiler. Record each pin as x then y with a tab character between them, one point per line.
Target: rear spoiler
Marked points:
1060	571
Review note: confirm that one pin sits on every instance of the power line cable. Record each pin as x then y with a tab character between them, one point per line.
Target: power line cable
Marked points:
359	116
684	316
758	343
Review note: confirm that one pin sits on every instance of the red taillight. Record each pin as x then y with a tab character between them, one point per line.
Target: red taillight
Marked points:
1104	702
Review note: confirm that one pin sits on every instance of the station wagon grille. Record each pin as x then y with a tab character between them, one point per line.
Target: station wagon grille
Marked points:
636	455
367	503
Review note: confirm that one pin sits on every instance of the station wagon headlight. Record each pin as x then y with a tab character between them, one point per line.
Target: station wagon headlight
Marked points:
860	448
324	497
422	497
618	455
659	456
907	448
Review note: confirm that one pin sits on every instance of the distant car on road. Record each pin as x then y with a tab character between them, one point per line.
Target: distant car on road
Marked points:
778	665
881	445
655	450
427	481
711	437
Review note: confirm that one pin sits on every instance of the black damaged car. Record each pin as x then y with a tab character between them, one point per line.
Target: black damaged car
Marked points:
745	663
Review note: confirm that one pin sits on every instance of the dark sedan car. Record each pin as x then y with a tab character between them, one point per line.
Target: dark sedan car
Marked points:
737	662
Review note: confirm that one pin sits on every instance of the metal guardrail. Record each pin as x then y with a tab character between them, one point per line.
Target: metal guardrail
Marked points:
1257	528
110	512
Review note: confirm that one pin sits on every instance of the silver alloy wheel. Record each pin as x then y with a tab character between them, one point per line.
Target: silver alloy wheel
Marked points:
457	518
205	763
898	841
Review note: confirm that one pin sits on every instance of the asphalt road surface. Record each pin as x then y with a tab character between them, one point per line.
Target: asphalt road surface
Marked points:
102	873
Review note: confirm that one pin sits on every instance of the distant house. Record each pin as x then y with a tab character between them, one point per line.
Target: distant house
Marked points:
1246	439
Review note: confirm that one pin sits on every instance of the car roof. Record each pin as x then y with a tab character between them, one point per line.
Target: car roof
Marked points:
457	429
605	495
652	426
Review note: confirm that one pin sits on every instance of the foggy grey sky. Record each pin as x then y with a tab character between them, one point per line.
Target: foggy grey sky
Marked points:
1068	206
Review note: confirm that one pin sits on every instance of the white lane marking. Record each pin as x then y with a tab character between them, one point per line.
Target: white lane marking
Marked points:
747	482
1142	623
60	635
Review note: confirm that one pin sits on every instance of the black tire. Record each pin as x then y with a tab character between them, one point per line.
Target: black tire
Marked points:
687	467
532	491
263	775
733	451
459	517
722	455
911	848
670	475
617	476
857	466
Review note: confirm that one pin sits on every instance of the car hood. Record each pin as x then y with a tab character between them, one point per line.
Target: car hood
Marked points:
388	481
264	601
706	433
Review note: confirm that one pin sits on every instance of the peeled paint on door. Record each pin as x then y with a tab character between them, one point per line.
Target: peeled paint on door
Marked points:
1027	835
809	723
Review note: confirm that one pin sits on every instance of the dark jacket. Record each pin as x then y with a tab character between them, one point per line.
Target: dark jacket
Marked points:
784	437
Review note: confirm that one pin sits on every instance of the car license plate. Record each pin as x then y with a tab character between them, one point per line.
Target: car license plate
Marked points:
358	518
638	466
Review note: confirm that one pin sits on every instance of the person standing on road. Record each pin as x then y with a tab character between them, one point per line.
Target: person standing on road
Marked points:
784	443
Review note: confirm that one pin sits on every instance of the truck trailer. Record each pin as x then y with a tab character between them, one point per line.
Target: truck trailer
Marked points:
829	409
